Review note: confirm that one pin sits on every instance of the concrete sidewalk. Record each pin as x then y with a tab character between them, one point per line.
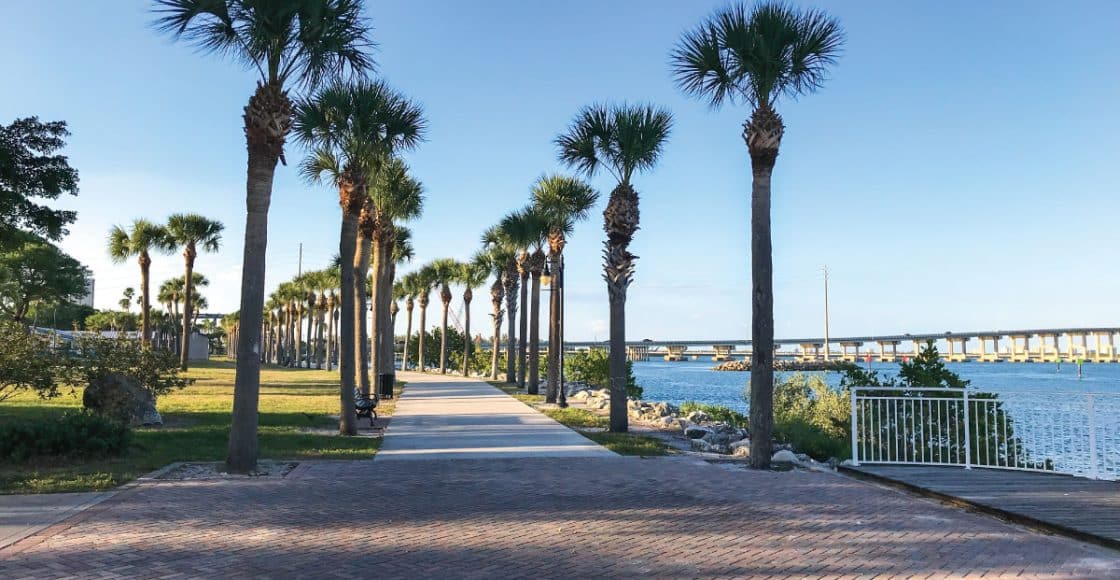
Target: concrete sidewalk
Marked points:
24	515
445	417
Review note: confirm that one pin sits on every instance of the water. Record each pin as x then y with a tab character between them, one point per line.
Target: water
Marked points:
676	382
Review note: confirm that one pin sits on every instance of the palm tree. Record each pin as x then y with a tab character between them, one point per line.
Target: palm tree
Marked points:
528	229
411	288
192	232
471	275
444	272
562	201
493	259
401	250
143	238
425	280
395	196
495	240
353	130
624	139
754	56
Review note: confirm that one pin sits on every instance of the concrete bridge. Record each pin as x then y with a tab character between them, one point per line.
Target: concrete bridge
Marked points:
1096	344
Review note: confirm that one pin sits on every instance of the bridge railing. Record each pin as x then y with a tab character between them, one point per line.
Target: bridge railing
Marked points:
1063	432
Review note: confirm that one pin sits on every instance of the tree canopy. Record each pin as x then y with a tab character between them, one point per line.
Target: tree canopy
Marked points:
31	170
33	270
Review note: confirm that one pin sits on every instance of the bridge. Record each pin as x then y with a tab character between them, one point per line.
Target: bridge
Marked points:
1093	344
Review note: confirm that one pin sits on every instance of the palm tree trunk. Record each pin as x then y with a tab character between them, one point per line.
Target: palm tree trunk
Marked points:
348	423
443	341
310	336
420	337
620	221
330	332
145	306
496	295
762	314
320	345
408	306
185	351
510	283
361	340
467	296
522	357
535	336
555	345
383	286
243	450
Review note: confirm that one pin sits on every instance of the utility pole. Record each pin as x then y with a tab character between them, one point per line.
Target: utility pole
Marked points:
299	269
826	348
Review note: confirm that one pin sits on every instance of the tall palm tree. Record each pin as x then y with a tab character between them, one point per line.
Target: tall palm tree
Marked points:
424	283
333	280
495	239
411	288
754	56
193	232
444	272
563	201
471	275
353	130
361	294
169	295
528	229
396	196
401	250
493	259
140	240
624	139
301	43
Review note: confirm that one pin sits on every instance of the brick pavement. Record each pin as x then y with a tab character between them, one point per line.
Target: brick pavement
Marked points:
539	518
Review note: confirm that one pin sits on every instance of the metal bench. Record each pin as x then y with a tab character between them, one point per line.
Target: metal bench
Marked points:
366	406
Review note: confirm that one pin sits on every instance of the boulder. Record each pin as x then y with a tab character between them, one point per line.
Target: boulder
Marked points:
744	451
123	398
784	456
695	432
698	417
742	444
701	445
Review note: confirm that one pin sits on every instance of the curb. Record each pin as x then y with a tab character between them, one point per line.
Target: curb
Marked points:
1013	517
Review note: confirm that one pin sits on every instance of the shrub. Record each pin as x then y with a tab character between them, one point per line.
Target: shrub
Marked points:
716	412
27	362
811	416
155	369
811	440
75	434
592	367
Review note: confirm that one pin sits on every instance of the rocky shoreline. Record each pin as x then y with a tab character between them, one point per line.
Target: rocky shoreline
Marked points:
745	365
697	428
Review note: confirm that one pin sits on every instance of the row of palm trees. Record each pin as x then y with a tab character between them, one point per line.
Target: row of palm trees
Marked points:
741	55
191	232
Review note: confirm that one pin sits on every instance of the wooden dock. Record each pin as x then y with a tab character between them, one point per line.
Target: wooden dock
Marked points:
1084	509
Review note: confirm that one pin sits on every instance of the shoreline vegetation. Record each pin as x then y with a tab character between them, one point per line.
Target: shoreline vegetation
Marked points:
788	366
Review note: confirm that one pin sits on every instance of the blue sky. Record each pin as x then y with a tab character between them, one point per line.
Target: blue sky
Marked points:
959	171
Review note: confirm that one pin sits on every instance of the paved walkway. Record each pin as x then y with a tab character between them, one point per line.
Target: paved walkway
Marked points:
539	517
23	515
447	417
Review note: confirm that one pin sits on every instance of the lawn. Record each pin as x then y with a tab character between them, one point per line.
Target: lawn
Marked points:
196	428
589	423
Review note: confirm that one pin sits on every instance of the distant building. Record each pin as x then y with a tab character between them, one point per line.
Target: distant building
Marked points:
87	300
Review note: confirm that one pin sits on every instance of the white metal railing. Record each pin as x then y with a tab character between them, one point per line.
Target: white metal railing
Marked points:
1064	432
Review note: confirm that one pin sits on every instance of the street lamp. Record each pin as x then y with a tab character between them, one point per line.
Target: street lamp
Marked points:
555	281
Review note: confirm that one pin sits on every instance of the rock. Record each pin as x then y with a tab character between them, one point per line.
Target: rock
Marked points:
804	458
784	456
847	463
742	444
579	395
696	432
783	446
698	417
717	438
743	451
701	445
122	398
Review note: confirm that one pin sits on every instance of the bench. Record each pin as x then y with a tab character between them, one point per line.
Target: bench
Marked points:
366	406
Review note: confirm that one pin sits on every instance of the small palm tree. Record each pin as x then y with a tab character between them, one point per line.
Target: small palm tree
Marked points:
563	201
471	275
289	43
193	232
495	240
624	139
444	272
425	280
353	131
140	240
755	56
411	289
402	251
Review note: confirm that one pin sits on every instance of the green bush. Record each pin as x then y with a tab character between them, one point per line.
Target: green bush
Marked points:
716	412
592	367
28	362
811	416
811	440
75	434
155	369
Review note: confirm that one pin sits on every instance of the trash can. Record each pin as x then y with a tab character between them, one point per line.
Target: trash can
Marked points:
385	385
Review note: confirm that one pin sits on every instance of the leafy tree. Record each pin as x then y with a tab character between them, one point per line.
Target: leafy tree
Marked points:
455	343
593	368
112	320
298	42
31	169
33	270
623	140
754	56
59	315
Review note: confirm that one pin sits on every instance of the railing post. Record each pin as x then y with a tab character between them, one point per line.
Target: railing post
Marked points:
967	434
855	427
1092	438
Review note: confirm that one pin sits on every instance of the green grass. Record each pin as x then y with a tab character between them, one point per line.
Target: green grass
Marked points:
629	443
517	393
196	428
573	417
